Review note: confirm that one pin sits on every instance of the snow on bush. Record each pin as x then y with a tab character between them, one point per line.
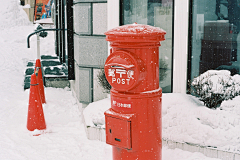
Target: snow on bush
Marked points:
213	87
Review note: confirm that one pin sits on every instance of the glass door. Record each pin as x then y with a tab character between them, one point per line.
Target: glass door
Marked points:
214	36
158	13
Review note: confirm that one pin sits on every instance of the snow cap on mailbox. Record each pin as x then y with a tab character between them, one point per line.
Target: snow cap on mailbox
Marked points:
135	33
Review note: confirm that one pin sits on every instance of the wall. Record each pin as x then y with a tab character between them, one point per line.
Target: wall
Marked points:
92	18
180	45
29	11
90	48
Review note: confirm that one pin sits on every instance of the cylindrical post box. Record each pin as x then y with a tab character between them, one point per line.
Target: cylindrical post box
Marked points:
133	123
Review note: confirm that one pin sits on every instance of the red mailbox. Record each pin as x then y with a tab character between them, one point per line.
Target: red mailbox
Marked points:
133	123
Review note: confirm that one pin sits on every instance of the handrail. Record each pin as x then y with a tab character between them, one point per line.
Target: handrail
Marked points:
40	30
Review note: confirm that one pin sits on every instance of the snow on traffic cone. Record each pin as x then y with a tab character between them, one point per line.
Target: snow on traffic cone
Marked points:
35	118
38	70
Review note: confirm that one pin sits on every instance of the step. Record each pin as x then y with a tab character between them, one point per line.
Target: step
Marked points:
55	74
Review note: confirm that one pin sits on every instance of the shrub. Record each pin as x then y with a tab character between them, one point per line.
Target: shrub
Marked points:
162	70
213	87
103	81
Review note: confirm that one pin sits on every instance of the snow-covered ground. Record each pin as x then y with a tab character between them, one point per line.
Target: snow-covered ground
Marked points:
64	138
186	119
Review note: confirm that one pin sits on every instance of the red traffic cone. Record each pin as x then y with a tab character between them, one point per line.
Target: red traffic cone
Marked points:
35	118
40	80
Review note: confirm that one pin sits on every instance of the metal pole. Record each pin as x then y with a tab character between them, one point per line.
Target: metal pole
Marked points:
60	33
57	27
70	40
38	31
63	32
38	46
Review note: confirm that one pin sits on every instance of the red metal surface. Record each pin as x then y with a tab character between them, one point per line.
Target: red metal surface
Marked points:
135	114
118	129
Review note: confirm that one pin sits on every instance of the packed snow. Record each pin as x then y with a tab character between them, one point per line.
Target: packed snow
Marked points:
186	119
65	137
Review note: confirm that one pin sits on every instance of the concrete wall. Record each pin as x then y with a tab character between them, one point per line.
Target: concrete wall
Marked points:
90	48
29	11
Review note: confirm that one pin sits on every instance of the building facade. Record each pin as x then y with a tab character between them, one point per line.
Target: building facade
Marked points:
201	35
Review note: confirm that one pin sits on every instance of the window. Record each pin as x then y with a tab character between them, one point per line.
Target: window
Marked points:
214	42
158	13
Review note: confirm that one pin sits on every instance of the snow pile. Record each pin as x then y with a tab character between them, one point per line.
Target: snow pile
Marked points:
27	6
12	14
93	113
186	119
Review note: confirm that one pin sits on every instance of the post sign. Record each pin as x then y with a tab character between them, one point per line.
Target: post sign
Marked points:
42	11
123	70
120	75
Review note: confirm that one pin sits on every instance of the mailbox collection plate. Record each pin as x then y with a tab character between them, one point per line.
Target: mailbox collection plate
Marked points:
118	129
118	132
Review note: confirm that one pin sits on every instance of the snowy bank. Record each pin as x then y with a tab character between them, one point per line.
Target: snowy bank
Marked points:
186	119
12	14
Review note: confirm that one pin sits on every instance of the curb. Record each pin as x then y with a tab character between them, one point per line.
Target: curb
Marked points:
207	151
96	133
